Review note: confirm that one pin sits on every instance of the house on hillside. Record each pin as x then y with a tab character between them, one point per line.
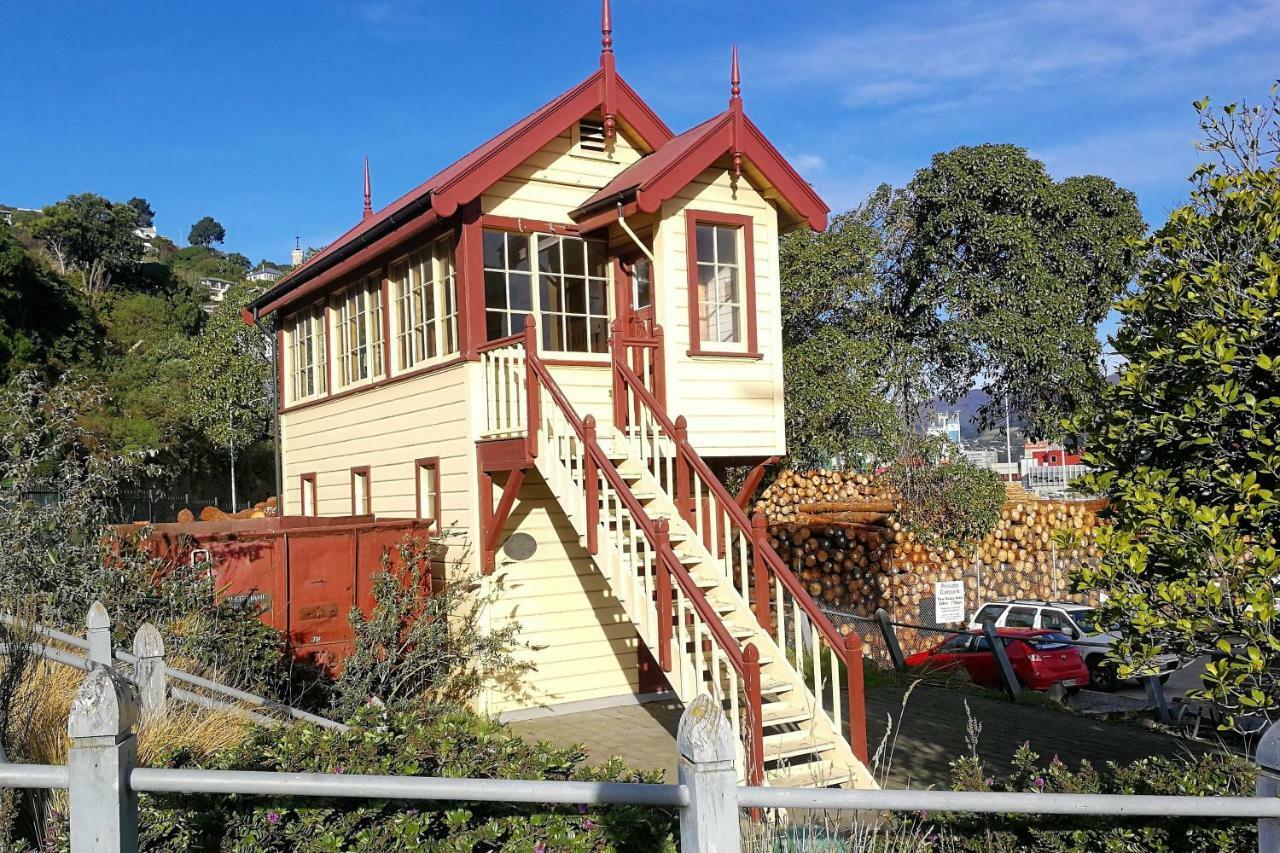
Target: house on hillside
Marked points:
265	273
215	289
553	348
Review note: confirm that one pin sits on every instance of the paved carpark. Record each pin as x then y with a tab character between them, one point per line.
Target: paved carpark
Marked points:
928	734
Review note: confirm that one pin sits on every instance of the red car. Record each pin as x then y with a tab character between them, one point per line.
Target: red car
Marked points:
1040	658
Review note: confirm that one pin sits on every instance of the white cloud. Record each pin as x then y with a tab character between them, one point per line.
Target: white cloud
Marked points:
961	50
808	164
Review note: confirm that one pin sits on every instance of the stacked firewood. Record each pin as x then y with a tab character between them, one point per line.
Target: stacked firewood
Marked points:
839	533
262	509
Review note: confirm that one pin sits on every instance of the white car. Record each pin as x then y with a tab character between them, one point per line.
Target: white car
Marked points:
1074	620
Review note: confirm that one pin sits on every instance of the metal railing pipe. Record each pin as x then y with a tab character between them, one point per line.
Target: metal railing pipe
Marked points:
34	776
268	783
989	802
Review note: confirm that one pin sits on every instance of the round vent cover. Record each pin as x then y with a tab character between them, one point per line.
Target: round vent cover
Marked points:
520	546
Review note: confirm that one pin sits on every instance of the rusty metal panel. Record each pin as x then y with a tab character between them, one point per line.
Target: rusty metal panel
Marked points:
321	589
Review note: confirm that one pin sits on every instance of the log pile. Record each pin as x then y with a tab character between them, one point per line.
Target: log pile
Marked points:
262	509
838	533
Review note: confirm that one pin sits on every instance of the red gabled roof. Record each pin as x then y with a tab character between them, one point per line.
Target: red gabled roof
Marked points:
659	176
467	178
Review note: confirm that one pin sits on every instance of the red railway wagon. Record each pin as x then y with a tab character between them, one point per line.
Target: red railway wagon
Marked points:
305	573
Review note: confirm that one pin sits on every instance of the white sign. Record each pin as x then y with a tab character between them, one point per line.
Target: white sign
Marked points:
948	602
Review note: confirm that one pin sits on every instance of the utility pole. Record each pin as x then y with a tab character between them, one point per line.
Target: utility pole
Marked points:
1008	446
231	443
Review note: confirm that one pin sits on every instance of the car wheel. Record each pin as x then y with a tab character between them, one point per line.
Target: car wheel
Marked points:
1102	675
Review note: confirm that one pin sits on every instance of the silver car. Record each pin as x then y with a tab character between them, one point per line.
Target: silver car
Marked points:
1077	621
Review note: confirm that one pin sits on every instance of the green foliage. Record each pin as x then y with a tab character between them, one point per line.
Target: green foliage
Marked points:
58	553
44	322
1211	775
432	742
1001	279
1185	444
91	235
206	232
426	646
953	503
835	408
146	216
230	378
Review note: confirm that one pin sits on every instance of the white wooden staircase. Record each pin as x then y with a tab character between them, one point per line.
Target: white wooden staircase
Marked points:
677	553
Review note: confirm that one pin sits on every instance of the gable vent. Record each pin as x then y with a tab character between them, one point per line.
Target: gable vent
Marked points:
591	135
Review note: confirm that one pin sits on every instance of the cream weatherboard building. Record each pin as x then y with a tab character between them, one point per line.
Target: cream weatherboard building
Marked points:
551	348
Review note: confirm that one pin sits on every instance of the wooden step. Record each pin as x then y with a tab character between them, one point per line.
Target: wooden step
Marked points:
783	714
688	560
812	774
791	744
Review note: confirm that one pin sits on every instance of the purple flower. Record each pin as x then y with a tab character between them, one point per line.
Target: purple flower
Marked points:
588	824
989	781
582	808
539	848
1039	783
273	817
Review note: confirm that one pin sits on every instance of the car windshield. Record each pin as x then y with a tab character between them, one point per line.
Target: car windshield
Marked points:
1048	642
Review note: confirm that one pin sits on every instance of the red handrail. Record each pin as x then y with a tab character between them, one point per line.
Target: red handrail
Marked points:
667	555
509	340
841	645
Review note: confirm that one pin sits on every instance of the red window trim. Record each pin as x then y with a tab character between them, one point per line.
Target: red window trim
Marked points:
367	509
746	223
433	463
303	480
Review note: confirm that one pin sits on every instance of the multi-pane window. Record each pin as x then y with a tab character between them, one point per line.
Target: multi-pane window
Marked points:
570	282
427	472
306	346
720	300
573	294
426	307
358	329
642	284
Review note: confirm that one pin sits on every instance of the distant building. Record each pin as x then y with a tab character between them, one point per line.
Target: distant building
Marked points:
947	425
217	288
265	272
7	212
1045	453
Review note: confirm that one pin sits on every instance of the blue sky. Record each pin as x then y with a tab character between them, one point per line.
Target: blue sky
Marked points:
259	113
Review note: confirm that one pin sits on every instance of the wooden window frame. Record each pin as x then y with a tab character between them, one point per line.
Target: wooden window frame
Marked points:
366	289
305	480
438	258
431	463
746	225
362	471
554	356
317	316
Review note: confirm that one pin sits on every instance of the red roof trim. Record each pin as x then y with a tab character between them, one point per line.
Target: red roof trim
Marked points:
659	176
468	177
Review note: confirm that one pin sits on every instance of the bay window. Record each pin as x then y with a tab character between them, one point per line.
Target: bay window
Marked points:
562	281
305	343
358	331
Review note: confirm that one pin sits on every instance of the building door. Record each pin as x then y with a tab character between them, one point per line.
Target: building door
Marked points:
640	343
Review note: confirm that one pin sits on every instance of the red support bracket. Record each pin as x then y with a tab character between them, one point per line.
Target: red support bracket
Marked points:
494	520
752	483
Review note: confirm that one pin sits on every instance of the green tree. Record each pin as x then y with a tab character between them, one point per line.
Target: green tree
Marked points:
240	261
206	232
146	216
835	407
1186	441
228	393
44	321
999	279
92	236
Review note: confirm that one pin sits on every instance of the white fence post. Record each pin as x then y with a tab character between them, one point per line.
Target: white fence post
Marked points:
1268	785
99	634
104	751
150	672
709	824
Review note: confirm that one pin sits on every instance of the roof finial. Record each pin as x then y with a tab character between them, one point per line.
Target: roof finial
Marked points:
606	29
735	78
368	190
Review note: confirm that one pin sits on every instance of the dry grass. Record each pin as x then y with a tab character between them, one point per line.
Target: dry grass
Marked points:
52	687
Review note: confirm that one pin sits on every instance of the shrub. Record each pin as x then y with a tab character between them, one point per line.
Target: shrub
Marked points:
1221	775
953	503
434	741
422	645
